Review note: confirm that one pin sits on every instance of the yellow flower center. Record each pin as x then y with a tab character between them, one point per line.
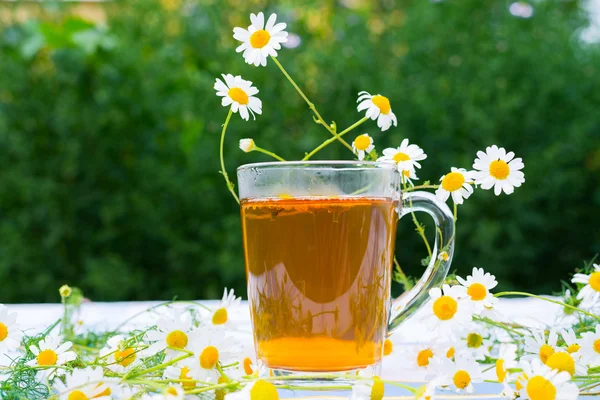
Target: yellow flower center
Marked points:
539	388
520	380
362	142
595	281
445	307
444	256
177	339
562	361
399	156
238	95
450	353
423	357
248	366
77	395
453	181
220	316
461	379
499	169
474	340
387	347
260	39
125	357
545	352
263	390
574	348
597	346
477	291
383	103
500	370
184	374
172	391
377	389
3	332
105	392
47	357
209	357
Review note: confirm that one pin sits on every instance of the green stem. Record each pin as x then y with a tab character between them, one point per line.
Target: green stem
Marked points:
410	189
419	228
455	213
401	385
213	387
267	152
328	141
223	171
401	276
498	325
548	300
320	119
159	367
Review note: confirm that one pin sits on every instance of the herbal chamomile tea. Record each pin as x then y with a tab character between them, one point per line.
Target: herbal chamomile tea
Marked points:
319	271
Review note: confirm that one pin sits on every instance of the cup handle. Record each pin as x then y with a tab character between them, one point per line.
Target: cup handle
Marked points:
408	303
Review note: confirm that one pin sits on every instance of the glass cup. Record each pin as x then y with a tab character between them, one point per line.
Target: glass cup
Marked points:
319	242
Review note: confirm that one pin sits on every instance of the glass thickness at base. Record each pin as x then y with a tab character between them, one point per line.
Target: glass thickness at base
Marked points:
318	381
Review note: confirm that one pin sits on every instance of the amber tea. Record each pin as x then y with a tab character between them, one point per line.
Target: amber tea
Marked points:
319	273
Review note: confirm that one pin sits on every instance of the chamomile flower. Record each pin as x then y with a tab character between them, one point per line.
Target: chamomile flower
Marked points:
537	347
540	382
590	293
247	145
10	333
427	392
570	339
209	348
590	347
363	144
418	358
457	184
173	334
461	373
174	392
221	317
567	362
82	384
444	256
408	176
119	356
255	390
378	108
406	156
475	343
248	364
239	94
388	347
498	169
260	40
368	390
449	311
180	372
477	287
507	359
51	352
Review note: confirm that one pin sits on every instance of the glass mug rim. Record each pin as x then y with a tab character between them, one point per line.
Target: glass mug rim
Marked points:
334	164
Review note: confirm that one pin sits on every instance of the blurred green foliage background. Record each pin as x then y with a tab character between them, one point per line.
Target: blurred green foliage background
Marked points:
109	133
